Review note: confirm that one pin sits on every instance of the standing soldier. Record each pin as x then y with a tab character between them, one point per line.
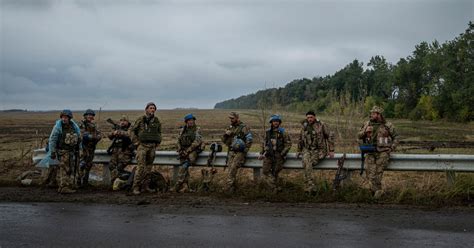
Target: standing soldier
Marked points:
146	135
382	136
90	137
315	141
121	148
189	146
276	145
238	139
64	144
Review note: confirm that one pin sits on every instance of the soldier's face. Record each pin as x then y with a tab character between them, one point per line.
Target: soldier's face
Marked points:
65	119
150	110
374	116
311	119
89	118
123	123
275	124
233	120
190	122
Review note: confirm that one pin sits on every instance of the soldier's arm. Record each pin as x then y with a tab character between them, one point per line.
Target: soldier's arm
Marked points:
226	139
263	145
361	134
300	141
53	138
159	131
134	131
329	135
248	138
286	144
197	140
394	135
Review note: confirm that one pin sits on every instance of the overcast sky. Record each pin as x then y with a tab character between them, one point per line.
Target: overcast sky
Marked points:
122	54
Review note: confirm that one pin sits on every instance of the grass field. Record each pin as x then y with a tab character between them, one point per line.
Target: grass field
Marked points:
22	132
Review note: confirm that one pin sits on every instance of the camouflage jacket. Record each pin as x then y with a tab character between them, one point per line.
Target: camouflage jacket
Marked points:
146	130
383	135
278	139
90	135
316	137
240	131
121	139
189	139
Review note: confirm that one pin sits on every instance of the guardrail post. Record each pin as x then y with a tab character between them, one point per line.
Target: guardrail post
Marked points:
256	174
106	177
451	177
175	173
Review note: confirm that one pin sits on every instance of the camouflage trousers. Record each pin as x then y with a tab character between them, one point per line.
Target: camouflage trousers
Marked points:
66	169
145	157
87	157
118	161
375	164
310	158
235	160
183	173
270	175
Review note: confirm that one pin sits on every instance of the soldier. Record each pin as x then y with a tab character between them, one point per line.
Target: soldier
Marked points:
90	137
64	145
189	146
383	137
316	142
146	136
238	139
121	149
276	145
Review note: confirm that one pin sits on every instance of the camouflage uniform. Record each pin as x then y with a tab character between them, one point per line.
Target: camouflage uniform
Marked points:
121	151
64	145
146	135
236	157
314	143
275	147
189	146
90	137
384	137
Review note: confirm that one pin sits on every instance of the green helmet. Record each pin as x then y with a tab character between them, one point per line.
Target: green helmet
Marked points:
67	113
89	112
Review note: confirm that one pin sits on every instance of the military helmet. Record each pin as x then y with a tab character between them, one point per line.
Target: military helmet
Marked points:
124	118
275	118
238	145
376	109
67	113
189	117
89	112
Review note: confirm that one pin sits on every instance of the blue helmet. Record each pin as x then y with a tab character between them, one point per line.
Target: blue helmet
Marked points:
89	112
67	113
189	117
238	145
275	118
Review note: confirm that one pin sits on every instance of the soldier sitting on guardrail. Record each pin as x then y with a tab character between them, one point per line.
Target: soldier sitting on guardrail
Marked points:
189	146
379	139
121	149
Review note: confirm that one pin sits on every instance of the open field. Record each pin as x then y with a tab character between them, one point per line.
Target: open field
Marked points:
20	133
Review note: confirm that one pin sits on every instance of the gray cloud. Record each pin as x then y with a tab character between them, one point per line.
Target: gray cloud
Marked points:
121	54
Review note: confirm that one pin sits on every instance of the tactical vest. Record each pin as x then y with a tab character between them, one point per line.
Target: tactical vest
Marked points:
150	133
68	139
122	141
90	128
187	136
275	139
314	136
381	136
239	133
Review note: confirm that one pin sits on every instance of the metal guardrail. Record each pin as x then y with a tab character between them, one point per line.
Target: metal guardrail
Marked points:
399	162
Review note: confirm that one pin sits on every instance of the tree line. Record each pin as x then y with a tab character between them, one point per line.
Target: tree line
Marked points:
435	82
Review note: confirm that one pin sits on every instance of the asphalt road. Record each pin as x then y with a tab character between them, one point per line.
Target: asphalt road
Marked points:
244	225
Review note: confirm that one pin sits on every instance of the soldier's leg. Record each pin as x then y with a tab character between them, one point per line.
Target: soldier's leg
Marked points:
278	168
267	177
65	173
238	159
381	162
140	171
371	171
113	165
309	158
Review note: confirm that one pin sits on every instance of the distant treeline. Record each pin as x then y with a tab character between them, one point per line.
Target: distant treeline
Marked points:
435	82
14	110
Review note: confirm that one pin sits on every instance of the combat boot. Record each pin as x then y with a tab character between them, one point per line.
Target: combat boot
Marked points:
66	191
378	194
136	190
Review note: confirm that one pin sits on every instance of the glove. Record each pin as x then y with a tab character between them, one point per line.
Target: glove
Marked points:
298	154
53	155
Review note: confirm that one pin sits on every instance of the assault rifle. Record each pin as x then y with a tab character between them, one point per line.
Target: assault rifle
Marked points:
271	153
340	175
126	141
208	175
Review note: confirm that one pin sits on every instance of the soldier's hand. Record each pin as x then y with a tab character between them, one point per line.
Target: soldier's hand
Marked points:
261	156
298	155
53	155
331	154
228	132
